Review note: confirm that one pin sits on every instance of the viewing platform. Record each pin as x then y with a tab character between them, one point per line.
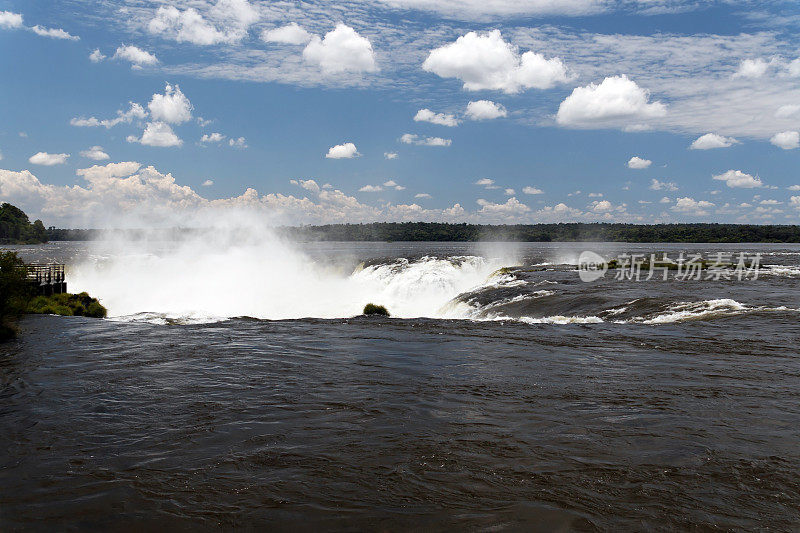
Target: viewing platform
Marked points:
47	279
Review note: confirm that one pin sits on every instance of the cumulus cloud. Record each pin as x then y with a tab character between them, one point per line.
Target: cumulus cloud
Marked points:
54	33
485	110
48	160
370	188
788	140
487	183
214	137
96	56
738	179
291	33
710	141
410	138
394	185
226	22
639	163
442	119
171	107
137	57
690	206
426	195
341	50
601	206
656	185
487	62
239	142
96	153
9	20
309	185
390	155
512	206
157	134
617	98
532	190
208	183
752	68
342	151
134	112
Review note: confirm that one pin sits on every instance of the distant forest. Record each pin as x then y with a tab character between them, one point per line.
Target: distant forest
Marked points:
432	231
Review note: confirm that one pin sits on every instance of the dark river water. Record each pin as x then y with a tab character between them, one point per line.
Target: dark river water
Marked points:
524	399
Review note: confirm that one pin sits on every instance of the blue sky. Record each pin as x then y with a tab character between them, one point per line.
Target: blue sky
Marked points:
526	110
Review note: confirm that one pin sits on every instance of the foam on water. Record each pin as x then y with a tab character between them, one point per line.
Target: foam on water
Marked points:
207	279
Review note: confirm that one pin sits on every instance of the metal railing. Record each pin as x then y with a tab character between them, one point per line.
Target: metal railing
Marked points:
45	274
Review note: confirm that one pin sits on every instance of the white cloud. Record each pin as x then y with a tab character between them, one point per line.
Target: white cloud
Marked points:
342	151
171	107
410	138
738	179
795	201
487	62
510	192
96	56
442	119
601	206
793	188
487	183
136	56
617	98
512	207
370	188
54	33
426	195
690	206
226	22
788	140
291	33
309	185
639	163
96	153
240	143
157	134
208	183
656	185
341	50
9	20
390	155
214	137
665	200
48	160
710	141
485	110
394	185
482	10
532	190
595	195
185	26
752	68
136	111
786	111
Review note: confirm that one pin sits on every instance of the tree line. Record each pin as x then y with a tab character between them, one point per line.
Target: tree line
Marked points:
16	228
435	231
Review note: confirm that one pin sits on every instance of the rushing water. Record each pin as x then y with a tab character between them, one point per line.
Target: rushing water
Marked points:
234	386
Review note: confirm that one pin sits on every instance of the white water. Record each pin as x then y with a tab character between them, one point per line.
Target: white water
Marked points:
214	277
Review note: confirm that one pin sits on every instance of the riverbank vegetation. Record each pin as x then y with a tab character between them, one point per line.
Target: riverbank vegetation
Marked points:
16	228
17	297
434	231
